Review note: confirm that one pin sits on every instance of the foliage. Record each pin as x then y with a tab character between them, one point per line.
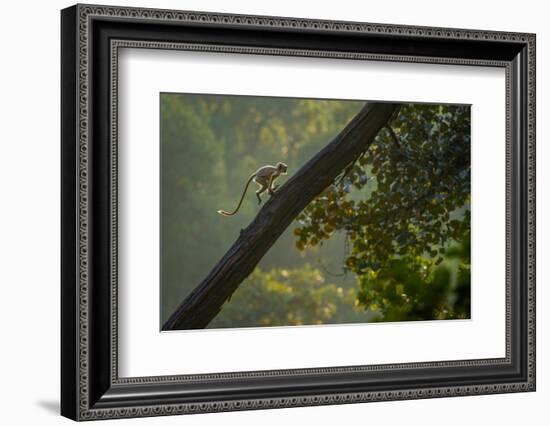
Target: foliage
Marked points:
406	197
295	296
414	288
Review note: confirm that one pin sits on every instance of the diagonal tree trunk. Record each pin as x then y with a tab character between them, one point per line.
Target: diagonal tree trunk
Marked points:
206	300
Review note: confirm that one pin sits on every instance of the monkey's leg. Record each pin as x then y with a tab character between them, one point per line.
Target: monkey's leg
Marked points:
270	185
260	191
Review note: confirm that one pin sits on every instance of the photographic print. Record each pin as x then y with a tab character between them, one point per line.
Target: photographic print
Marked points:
291	211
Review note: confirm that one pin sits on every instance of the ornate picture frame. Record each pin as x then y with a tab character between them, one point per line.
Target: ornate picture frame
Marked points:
91	37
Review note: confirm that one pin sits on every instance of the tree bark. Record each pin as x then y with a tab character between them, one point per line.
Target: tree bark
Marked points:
206	300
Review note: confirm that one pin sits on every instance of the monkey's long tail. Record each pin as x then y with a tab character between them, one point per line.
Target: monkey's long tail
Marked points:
223	212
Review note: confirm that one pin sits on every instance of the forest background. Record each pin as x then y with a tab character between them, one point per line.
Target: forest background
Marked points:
389	241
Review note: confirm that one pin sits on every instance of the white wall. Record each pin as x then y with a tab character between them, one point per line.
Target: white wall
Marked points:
29	225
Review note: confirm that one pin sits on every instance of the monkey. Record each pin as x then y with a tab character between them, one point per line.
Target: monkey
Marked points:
265	178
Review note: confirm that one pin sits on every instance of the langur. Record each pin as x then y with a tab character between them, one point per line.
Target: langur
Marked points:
265	178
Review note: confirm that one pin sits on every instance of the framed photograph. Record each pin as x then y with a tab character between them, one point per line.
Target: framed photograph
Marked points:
263	212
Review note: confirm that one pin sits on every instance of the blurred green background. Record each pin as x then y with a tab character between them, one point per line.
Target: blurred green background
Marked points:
316	272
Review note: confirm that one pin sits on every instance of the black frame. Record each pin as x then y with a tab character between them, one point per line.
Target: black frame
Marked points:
90	386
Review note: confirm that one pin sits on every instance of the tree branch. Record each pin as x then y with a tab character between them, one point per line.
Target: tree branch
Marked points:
206	300
393	135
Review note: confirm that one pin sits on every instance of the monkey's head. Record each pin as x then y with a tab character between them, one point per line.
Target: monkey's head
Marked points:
282	168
